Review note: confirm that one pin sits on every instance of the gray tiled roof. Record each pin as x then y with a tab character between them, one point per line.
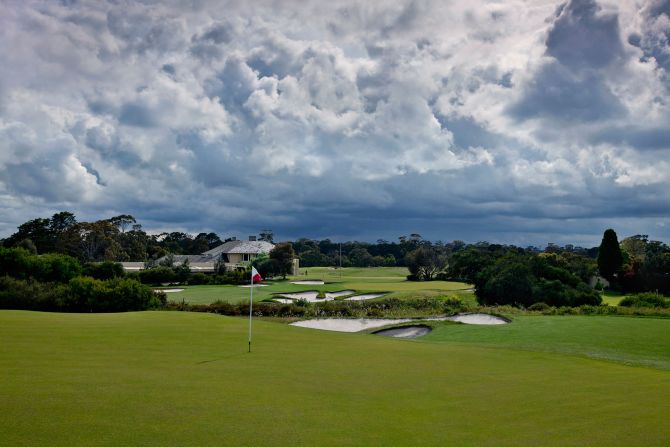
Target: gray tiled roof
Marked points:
250	247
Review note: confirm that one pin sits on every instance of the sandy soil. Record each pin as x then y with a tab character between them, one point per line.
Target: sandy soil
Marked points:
308	283
168	290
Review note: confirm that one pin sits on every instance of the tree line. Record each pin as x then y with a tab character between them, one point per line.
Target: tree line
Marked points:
119	238
502	274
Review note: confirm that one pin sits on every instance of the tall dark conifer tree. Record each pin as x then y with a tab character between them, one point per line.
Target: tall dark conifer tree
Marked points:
610	259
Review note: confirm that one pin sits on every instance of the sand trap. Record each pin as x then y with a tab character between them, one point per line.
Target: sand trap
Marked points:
481	319
366	296
311	296
339	293
360	324
309	283
255	285
405	331
168	290
347	324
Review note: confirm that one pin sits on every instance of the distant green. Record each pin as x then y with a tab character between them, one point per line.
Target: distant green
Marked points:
185	379
362	280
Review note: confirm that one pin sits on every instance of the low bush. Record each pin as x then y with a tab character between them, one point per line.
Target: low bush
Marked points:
103	270
197	279
234	277
80	294
645	300
539	307
51	267
30	294
157	275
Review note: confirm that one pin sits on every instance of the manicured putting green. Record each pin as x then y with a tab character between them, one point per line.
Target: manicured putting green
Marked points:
169	378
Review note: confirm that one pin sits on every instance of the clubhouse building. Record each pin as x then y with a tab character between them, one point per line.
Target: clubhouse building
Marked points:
232	253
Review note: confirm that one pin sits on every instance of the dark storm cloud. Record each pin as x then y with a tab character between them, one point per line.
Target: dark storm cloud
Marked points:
583	37
136	115
559	93
573	88
349	120
635	136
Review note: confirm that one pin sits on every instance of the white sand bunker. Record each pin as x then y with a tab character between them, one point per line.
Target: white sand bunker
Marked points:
339	293
348	324
309	282
365	296
481	319
312	296
360	324
405	331
168	290
309	295
255	285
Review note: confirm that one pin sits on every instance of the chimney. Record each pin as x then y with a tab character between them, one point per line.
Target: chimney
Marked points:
252	238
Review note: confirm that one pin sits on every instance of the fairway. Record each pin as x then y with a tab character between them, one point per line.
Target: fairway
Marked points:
636	341
176	378
362	280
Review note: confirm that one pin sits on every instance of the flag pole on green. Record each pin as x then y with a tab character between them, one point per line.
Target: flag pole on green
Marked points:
255	278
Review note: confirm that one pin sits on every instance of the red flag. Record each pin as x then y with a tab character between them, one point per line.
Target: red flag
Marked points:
255	276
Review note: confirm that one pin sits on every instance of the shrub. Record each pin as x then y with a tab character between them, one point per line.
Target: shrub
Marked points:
29	294
52	267
114	295
104	270
157	275
453	302
81	294
198	279
645	300
539	307
235	277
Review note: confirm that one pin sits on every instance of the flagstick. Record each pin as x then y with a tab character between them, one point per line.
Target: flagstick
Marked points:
251	304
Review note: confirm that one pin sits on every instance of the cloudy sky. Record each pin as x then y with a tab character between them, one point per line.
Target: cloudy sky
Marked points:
512	121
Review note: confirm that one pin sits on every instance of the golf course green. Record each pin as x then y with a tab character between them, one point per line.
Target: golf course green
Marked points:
362	280
178	378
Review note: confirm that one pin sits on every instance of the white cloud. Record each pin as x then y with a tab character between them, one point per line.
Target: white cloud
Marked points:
194	113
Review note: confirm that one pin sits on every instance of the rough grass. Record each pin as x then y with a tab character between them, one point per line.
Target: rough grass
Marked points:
363	280
173	378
